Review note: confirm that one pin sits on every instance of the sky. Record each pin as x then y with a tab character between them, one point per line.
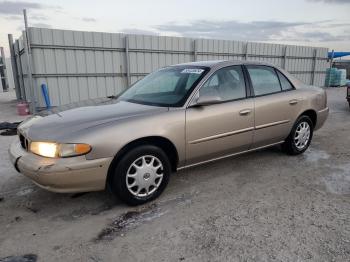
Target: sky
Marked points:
322	23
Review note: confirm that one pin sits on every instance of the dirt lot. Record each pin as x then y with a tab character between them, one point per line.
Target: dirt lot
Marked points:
262	206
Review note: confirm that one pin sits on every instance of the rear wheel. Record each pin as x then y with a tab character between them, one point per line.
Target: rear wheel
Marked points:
141	175
300	137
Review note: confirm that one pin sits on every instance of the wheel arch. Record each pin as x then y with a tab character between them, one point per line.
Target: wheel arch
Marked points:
312	114
165	144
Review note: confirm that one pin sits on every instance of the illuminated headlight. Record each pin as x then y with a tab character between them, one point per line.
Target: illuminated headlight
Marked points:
49	149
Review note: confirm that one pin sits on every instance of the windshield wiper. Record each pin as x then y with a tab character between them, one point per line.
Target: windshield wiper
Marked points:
113	96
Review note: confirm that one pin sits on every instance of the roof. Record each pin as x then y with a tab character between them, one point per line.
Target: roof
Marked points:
209	63
215	63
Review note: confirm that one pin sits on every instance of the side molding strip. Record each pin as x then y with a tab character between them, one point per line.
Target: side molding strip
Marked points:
272	124
221	135
323	110
226	156
238	132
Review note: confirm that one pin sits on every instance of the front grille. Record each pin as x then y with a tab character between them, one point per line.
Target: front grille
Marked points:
24	142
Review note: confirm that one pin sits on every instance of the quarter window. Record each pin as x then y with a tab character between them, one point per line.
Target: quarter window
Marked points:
264	80
227	83
285	84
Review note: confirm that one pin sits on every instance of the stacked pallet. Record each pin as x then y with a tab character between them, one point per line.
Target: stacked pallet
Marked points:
335	77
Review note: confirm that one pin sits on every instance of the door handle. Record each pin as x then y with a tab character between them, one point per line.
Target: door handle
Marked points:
245	112
293	101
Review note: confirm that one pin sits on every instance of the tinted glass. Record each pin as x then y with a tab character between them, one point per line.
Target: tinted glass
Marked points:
286	85
227	83
264	80
190	81
166	87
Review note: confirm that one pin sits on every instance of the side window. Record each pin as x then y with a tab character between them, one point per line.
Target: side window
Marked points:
286	85
227	83
264	80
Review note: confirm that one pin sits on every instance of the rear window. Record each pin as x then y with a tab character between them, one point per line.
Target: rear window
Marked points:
264	80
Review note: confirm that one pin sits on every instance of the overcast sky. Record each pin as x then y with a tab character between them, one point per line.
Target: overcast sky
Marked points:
323	23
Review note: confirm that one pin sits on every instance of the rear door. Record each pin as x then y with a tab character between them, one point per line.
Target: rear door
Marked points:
276	104
221	129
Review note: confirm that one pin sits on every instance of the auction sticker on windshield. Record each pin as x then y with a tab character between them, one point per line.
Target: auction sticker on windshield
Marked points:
192	71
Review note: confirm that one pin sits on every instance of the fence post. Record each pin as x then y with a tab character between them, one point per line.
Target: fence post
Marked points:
29	75
20	70
246	51
314	67
194	50
128	80
284	57
2	71
14	67
5	81
2	80
27	50
331	60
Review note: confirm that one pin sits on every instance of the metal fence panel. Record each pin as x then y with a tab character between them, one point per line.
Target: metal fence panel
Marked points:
79	65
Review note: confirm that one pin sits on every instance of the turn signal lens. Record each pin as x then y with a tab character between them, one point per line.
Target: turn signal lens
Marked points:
82	149
67	150
48	149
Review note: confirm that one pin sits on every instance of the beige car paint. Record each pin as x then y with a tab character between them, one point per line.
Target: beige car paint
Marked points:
199	134
63	175
218	130
274	114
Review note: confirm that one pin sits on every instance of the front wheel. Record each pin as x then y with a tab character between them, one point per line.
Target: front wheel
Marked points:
300	137
141	175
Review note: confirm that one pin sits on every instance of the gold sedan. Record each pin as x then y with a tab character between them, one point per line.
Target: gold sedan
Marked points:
176	117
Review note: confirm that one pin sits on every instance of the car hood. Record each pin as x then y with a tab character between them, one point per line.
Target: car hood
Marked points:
58	124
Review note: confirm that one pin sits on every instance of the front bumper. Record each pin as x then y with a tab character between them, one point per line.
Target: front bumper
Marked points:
321	117
63	175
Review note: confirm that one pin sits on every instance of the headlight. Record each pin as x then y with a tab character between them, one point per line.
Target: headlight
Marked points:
44	149
49	149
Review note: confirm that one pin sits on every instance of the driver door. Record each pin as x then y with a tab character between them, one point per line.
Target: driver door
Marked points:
224	128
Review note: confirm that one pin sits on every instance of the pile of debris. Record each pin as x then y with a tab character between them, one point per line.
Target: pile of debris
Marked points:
10	128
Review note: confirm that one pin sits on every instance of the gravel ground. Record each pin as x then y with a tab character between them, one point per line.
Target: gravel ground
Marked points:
262	206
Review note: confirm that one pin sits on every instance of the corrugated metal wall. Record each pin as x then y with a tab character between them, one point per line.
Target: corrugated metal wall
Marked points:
4	81
81	65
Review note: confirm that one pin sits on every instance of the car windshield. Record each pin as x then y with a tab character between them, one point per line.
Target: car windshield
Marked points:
169	86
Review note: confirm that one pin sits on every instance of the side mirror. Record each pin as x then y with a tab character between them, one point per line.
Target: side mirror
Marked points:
205	100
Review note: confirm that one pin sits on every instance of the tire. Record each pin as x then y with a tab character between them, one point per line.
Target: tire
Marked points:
136	168
294	146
